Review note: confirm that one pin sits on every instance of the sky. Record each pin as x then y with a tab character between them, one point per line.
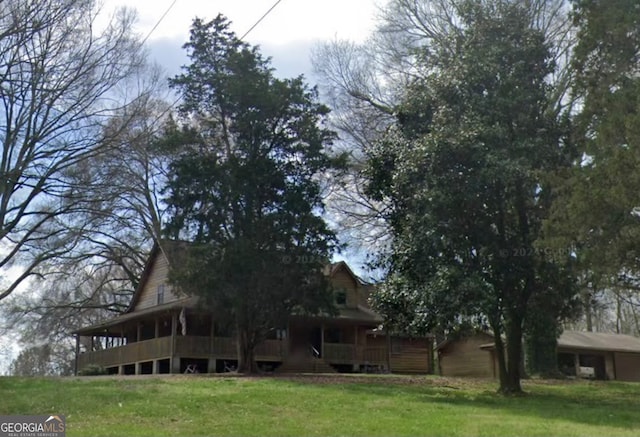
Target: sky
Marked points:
287	34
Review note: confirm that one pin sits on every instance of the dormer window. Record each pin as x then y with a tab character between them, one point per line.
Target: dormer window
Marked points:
160	294
341	297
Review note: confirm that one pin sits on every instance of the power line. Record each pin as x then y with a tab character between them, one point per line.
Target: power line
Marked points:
261	18
175	102
159	21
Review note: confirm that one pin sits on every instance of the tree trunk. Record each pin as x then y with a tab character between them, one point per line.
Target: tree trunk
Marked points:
588	310
388	335
618	313
511	384
500	356
246	353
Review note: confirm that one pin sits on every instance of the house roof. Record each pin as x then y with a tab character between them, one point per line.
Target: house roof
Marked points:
360	313
103	327
340	265
593	341
450	340
599	341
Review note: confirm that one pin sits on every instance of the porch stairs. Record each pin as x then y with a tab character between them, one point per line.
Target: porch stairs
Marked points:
303	363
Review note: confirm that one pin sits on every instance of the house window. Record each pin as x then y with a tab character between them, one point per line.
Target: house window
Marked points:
341	297
160	294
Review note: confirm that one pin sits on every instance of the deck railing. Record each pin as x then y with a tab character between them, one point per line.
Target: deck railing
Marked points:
225	346
339	353
185	346
131	353
193	346
271	349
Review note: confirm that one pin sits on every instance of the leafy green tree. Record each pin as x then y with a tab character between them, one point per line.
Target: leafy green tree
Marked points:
245	188
595	213
465	172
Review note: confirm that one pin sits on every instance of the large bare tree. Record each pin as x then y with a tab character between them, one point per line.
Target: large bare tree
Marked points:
62	82
119	220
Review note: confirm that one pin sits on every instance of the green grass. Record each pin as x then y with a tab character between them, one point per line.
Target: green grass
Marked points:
326	405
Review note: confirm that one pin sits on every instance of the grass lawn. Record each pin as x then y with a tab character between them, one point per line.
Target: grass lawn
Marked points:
324	405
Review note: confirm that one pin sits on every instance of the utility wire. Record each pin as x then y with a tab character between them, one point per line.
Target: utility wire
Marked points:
261	18
242	38
159	21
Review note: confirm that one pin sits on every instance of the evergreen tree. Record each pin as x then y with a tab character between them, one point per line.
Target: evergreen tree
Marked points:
245	188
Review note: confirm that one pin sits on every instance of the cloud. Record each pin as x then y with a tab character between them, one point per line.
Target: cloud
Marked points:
169	54
289	59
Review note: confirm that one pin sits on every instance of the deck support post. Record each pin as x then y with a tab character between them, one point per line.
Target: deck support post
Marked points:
174	363
576	361
322	340
356	358
212	334
287	352
75	365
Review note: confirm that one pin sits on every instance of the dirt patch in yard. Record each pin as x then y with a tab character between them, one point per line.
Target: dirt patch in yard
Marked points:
344	379
435	381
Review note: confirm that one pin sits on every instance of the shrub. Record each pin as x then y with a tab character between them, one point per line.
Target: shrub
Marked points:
92	370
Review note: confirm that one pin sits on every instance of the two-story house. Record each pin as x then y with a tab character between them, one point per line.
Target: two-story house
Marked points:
165	332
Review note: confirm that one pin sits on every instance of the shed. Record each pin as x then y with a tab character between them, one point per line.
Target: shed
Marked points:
463	356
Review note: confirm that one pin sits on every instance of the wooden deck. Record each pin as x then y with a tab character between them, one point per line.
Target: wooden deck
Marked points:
220	348
344	353
131	353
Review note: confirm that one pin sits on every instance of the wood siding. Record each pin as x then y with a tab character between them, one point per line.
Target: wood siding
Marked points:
408	355
627	366
159	274
411	355
463	357
417	361
343	281
363	297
